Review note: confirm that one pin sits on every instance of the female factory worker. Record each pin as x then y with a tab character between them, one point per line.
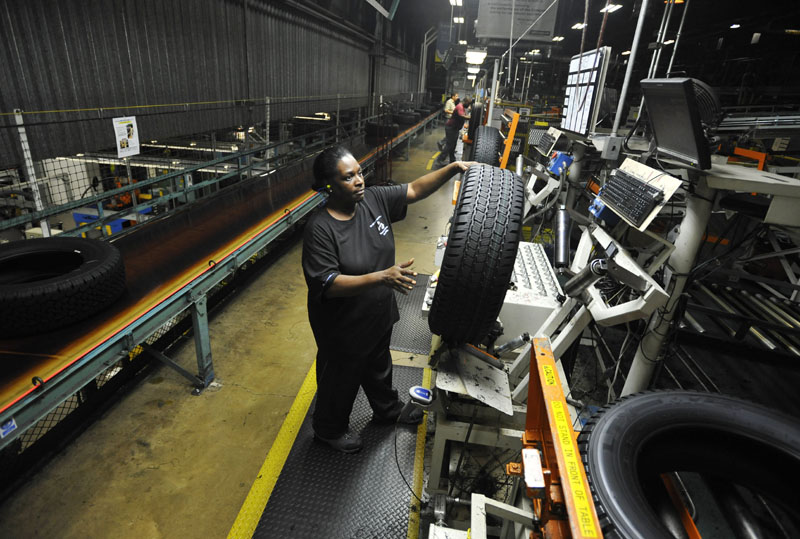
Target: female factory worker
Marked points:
349	266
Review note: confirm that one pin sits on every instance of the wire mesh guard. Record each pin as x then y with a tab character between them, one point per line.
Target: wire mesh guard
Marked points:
99	193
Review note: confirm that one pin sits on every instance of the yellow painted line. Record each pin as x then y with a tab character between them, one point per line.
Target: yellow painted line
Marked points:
433	158
419	457
245	524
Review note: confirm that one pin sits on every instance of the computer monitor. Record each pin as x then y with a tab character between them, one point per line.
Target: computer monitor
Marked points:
585	82
675	119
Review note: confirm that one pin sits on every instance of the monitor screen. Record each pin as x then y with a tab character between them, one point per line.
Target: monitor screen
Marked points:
585	81
675	120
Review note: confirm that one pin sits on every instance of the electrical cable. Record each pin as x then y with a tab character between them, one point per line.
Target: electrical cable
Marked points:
397	461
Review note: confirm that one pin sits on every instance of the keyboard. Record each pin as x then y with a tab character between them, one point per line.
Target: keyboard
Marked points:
630	197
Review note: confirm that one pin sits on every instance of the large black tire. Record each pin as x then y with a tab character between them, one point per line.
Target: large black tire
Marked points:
475	120
486	145
480	255
628	444
374	129
53	282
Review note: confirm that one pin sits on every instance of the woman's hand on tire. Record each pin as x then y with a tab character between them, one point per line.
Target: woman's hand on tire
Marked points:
398	277
464	165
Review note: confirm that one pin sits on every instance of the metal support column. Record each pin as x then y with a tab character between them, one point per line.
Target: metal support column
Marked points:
687	244
202	342
30	172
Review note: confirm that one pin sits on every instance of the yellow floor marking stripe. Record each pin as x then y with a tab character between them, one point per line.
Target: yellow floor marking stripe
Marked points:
433	158
419	457
245	524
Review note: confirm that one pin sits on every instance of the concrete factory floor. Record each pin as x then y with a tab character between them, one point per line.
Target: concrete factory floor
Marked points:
164	463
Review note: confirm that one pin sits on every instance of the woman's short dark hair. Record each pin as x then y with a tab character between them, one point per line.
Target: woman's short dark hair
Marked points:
326	166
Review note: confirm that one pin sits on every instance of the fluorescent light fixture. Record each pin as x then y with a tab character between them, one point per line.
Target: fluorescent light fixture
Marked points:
476	56
471	77
611	8
192	144
462	41
578	26
473	70
78	155
535	51
558	38
669	42
734	26
626	53
153	142
458	20
456	2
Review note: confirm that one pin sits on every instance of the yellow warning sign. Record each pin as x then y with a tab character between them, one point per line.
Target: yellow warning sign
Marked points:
572	471
549	375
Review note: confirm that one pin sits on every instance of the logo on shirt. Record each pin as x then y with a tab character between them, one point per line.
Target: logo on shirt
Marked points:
382	227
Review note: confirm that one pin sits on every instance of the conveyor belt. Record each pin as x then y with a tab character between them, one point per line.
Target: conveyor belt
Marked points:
411	333
323	493
160	258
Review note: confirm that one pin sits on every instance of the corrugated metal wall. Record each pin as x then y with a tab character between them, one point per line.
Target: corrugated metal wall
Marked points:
150	58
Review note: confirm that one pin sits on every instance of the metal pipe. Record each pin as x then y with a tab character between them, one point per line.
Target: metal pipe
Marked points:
511	41
562	238
514	86
649	353
753	312
659	38
628	72
682	351
660	48
677	38
493	95
726	307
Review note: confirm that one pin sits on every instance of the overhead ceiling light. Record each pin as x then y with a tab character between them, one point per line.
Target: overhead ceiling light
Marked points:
462	41
756	38
471	77
78	155
192	144
611	8
458	20
535	51
626	53
456	2
153	141
790	31
558	38
476	56
473	70
669	42
734	26
579	26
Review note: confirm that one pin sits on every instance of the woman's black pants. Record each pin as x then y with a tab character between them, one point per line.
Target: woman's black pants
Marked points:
338	379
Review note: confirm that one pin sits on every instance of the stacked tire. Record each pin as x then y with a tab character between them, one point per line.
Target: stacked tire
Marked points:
479	257
486	145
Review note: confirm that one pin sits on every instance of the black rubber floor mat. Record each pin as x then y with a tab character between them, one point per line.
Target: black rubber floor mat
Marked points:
323	493
411	333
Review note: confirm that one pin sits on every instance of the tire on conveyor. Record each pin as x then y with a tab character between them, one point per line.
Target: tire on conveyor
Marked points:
480	255
49	283
475	120
626	446
486	145
375	129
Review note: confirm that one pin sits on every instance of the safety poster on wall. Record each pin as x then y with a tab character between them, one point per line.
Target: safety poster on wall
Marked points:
127	136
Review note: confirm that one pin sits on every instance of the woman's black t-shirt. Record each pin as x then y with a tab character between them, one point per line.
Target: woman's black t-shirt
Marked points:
361	245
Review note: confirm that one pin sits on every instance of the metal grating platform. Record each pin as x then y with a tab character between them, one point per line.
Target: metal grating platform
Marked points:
323	493
411	333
